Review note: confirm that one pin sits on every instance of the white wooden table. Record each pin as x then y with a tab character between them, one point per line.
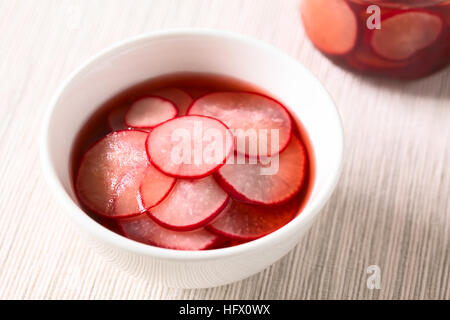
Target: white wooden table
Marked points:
391	207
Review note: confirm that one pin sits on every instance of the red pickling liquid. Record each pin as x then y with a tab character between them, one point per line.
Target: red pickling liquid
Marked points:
195	85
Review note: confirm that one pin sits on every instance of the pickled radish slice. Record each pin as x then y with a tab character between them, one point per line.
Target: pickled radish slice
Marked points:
116	118
404	34
189	146
109	170
149	112
127	197
267	183
330	24
190	205
155	186
144	229
240	221
179	97
371	60
254	118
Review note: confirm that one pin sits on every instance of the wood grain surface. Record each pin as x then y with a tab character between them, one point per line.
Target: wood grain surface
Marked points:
390	209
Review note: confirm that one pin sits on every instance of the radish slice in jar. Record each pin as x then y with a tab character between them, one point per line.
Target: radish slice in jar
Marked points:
331	25
405	33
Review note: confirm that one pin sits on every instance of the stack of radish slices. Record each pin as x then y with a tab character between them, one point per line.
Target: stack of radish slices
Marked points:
149	176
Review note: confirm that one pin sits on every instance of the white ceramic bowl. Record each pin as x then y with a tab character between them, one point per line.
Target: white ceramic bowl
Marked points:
208	51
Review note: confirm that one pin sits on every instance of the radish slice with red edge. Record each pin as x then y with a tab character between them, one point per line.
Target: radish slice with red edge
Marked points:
271	182
126	194
155	186
253	117
243	222
179	97
190	205
109	173
142	189
331	25
144	229
403	34
189	146
149	112
116	118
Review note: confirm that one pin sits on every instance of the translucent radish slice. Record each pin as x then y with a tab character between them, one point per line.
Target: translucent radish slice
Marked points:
371	60
106	178
190	205
127	198
179	97
144	229
331	25
244	222
116	118
404	34
271	182
254	118
155	186
149	112
189	146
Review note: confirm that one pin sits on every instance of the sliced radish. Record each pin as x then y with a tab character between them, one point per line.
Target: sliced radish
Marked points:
254	118
141	189
109	172
240	221
155	186
267	183
189	146
190	205
371	60
127	198
179	97
331	25
144	229
403	34
116	118
149	112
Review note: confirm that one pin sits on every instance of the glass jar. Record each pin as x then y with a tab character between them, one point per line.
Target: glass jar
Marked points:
398	38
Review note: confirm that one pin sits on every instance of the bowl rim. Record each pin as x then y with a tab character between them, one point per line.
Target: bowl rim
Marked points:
90	226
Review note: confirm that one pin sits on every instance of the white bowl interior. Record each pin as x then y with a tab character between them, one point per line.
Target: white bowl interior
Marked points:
209	52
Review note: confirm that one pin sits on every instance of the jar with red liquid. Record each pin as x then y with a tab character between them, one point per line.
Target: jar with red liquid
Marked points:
398	38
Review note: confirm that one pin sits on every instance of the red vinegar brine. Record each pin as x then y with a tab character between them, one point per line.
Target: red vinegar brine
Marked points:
161	163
